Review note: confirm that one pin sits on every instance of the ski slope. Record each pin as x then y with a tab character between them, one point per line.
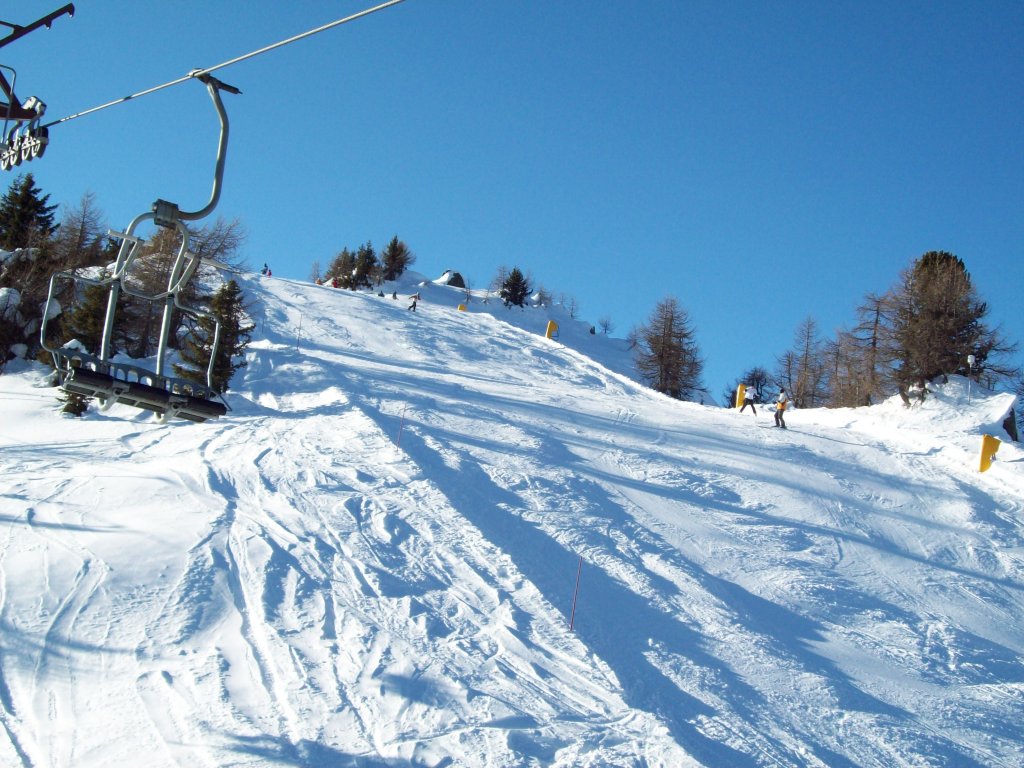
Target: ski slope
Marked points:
371	561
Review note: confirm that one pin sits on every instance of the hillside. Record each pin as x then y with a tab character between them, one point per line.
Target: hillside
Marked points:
372	559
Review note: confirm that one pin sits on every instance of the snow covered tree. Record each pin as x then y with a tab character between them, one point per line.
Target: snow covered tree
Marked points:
26	221
228	306
667	355
395	259
515	289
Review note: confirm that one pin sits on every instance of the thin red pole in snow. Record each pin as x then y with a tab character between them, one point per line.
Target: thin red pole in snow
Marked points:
575	594
401	424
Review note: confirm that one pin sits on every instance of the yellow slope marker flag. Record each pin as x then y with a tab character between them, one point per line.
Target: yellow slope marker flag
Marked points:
989	446
741	395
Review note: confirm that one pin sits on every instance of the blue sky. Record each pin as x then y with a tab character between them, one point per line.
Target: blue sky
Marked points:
761	162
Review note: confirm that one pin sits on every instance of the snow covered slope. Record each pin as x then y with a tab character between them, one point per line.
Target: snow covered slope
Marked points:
372	559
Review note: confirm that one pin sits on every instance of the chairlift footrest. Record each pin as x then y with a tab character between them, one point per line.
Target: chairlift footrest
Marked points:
90	383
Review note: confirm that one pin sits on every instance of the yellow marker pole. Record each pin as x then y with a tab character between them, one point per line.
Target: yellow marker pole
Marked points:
462	307
989	446
552	329
741	395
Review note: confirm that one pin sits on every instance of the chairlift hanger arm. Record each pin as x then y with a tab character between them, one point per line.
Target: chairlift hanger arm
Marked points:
10	104
46	21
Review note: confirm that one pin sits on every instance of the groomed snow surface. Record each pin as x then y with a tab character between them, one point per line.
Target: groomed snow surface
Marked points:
371	561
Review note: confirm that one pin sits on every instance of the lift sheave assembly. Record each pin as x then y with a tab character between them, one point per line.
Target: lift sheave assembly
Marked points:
23	138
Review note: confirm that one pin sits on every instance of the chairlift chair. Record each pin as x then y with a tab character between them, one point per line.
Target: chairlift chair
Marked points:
98	376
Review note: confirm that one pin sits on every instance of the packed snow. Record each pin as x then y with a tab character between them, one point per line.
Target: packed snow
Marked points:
372	560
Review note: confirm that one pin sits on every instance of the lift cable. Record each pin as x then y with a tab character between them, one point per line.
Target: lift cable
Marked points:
199	72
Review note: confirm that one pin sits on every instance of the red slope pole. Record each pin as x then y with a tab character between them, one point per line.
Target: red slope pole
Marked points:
575	594
401	424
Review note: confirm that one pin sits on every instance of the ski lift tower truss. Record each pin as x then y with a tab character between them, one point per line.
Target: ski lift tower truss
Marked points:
109	381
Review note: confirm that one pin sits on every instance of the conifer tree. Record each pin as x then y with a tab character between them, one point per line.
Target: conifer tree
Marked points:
26	220
937	321
366	262
514	289
802	370
81	240
866	351
666	354
228	306
395	259
85	321
342	268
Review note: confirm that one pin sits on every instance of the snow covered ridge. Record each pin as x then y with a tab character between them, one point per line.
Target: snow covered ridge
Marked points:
371	561
949	408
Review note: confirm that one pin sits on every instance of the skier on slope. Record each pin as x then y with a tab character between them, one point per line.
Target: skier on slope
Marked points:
780	408
748	399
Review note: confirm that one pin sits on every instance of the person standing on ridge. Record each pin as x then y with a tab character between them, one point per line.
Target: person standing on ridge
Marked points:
748	399
780	408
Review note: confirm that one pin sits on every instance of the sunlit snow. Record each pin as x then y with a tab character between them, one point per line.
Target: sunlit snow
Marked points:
371	561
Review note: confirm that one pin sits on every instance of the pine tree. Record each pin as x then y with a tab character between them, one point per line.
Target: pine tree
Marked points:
85	321
228	306
937	321
667	355
366	262
26	221
396	258
342	268
514	289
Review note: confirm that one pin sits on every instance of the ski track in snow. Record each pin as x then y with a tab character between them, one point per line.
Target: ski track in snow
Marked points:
371	561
